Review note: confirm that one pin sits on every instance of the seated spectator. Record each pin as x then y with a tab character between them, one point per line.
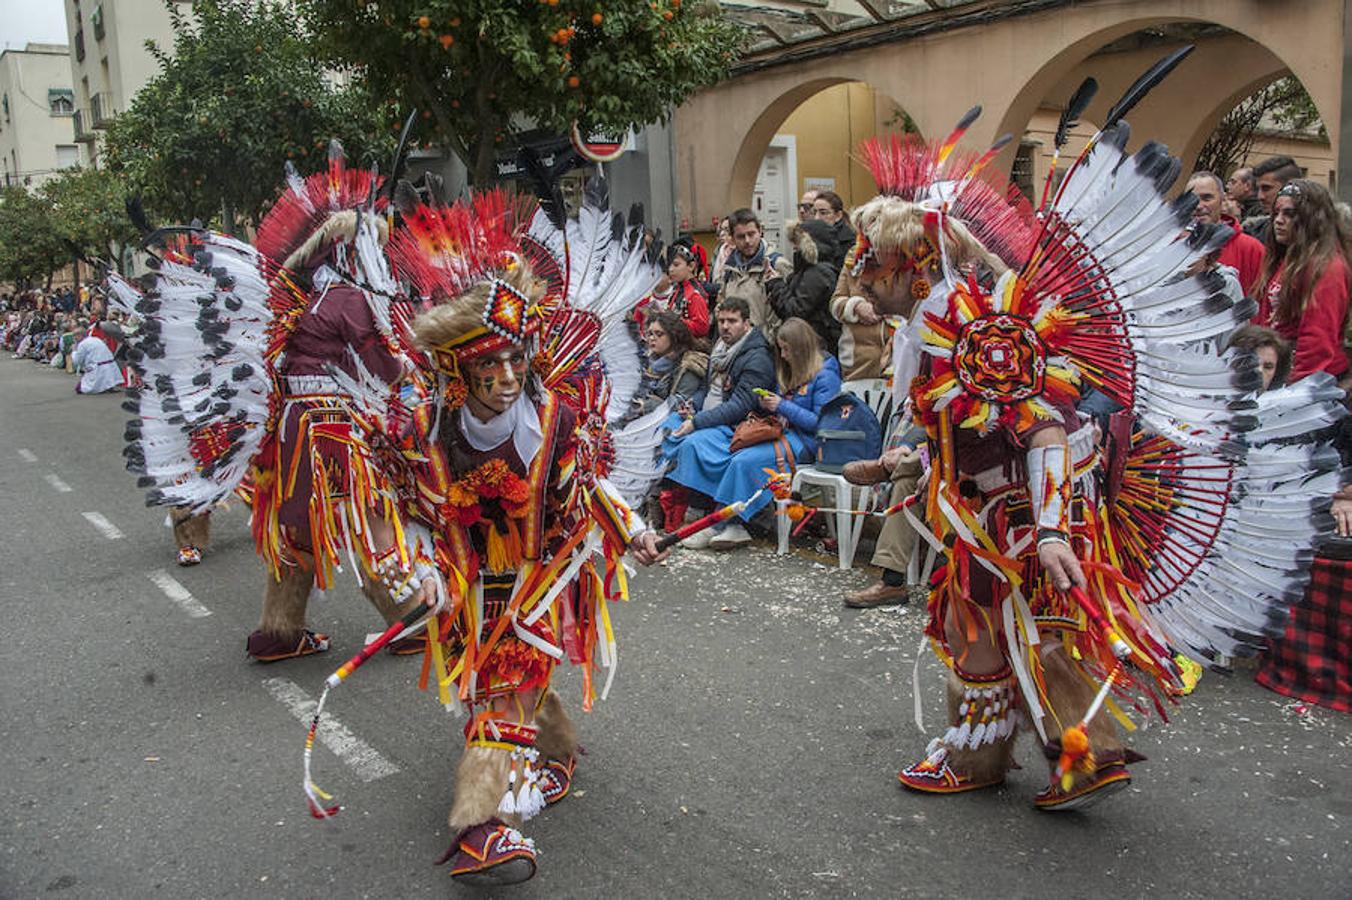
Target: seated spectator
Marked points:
829	208
807	378
679	290
674	369
1306	278
740	364
902	466
93	358
750	267
806	293
865	347
1273	352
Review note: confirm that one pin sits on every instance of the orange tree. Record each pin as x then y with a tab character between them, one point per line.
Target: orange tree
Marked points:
478	69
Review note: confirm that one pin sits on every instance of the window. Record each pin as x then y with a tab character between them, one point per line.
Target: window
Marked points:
61	101
67	156
4	105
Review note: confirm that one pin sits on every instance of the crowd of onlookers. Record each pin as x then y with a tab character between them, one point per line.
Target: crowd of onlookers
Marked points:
68	331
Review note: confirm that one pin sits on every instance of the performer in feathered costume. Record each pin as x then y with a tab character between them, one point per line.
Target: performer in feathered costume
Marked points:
1070	571
502	446
239	353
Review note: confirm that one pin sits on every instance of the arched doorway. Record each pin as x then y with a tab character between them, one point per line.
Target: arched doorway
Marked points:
806	140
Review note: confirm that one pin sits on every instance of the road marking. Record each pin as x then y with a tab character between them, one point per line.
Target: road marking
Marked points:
109	530
28	455
178	593
57	483
361	756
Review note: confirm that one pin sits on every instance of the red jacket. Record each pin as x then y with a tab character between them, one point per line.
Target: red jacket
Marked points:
1244	254
687	301
1317	339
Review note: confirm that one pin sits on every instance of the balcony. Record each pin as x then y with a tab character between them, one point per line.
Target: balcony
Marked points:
83	133
101	109
79	45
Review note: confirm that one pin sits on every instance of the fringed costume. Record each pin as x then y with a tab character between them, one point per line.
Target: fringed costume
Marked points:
1071	559
502	450
239	355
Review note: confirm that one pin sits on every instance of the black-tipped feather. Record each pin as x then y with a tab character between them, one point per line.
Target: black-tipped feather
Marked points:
1145	84
397	164
545	183
1075	107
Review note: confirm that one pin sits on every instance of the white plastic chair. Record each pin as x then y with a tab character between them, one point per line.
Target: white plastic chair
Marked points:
837	492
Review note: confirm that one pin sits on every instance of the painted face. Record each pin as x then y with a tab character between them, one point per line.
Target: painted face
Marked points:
495	380
1267	364
659	342
746	238
1268	186
731	326
680	269
1208	200
888	284
1283	219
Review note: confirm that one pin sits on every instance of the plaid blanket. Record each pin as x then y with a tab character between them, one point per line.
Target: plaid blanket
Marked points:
1313	660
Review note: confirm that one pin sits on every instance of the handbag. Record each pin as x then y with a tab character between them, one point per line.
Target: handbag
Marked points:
763	428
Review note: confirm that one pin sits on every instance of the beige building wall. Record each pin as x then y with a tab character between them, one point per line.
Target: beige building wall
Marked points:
828	128
36	135
111	37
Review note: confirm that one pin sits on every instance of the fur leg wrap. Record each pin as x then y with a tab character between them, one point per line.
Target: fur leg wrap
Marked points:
1070	696
380	598
498	774
558	736
984	716
284	603
190	530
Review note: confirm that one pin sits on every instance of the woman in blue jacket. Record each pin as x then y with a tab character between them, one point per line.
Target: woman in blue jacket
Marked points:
808	377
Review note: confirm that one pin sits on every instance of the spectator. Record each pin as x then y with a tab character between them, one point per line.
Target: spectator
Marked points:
865	335
1305	278
1270	174
93	358
1241	190
806	293
829	208
739	364
679	290
750	266
1272	351
1242	253
722	251
805	210
807	379
674	369
902	466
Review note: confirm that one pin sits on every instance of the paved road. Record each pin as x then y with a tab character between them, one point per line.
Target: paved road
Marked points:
748	747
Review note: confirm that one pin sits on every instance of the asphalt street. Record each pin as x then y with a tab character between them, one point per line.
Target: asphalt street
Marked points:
748	747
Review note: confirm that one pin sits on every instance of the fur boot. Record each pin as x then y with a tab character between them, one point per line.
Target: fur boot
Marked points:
190	530
480	780
558	736
1104	771
284	603
380	598
1070	695
978	748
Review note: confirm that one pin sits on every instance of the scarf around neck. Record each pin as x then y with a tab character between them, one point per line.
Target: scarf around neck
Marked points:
520	422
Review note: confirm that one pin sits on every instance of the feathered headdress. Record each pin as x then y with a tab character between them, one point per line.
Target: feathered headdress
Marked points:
935	181
318	211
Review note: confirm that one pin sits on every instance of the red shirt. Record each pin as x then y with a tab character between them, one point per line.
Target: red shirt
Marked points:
1317	339
1244	254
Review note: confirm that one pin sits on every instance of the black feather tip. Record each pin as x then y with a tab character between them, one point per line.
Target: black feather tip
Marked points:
1075	107
1145	84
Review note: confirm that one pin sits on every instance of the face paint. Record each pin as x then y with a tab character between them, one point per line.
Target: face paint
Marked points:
496	380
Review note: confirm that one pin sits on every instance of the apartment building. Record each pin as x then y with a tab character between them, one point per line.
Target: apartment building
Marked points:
36	106
109	61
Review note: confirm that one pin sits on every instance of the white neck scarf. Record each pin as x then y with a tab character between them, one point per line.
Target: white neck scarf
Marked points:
520	422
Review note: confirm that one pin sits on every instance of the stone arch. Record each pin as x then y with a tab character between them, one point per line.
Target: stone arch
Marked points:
763	128
1287	40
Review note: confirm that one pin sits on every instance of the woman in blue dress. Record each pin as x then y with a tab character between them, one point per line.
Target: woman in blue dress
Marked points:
808	377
